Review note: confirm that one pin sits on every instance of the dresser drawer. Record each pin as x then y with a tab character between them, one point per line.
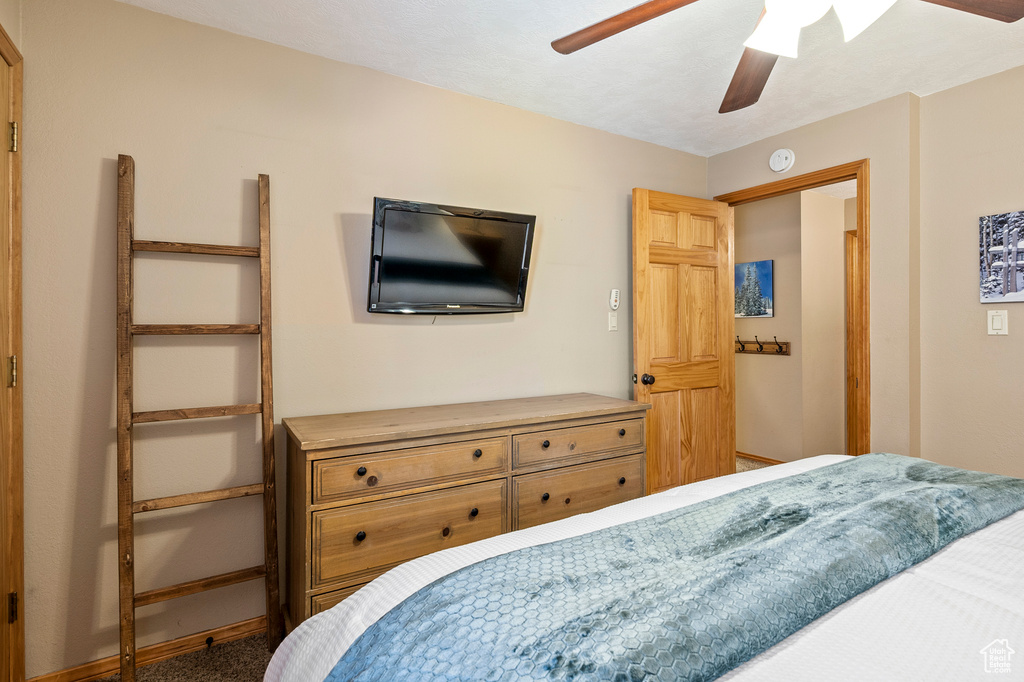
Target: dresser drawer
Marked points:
352	544
356	476
321	602
542	447
549	496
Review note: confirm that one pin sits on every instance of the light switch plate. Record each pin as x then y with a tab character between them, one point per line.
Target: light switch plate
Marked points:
997	323
613	322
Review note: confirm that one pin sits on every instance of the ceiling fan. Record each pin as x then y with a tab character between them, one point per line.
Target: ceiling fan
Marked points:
777	32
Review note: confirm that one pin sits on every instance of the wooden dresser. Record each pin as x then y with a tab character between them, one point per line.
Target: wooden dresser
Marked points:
370	490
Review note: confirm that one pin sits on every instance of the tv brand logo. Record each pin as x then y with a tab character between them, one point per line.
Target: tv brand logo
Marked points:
453	306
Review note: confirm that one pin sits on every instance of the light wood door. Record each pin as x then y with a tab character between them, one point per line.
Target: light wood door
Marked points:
683	307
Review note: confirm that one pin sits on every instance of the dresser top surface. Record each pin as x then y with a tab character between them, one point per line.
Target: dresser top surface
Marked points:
353	428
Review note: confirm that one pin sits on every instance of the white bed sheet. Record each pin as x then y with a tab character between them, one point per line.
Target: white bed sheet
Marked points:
930	622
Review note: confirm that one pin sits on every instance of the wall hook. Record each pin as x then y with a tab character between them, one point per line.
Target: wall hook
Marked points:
760	346
778	346
742	347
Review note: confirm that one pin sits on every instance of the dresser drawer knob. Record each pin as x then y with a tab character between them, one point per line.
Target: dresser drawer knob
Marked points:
622	432
546	444
361	471
478	453
446	531
545	497
360	536
622	481
473	512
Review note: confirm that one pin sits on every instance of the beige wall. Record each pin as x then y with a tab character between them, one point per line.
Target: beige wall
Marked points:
881	133
790	407
203	112
10	19
769	405
972	146
823	323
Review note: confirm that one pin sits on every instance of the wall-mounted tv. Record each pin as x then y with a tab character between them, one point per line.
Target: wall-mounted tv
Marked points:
433	259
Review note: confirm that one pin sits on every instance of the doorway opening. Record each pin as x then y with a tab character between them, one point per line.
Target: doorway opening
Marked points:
855	236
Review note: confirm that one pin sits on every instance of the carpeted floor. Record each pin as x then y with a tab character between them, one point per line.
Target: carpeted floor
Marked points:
744	464
244	660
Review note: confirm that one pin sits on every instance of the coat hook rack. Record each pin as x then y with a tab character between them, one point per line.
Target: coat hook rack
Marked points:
758	347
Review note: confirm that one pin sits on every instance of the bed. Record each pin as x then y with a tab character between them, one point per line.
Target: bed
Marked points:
954	615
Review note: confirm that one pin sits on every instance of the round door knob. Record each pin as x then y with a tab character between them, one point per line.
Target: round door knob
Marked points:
478	453
545	497
360	536
361	471
622	432
622	481
546	444
473	512
647	380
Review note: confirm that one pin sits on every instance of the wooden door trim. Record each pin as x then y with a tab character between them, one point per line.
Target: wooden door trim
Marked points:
12	444
850	301
861	338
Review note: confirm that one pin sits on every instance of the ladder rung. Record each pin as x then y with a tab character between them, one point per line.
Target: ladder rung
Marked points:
197	498
184	247
201	585
194	413
161	329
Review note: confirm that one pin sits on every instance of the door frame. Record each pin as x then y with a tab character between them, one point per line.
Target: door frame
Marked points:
858	344
12	532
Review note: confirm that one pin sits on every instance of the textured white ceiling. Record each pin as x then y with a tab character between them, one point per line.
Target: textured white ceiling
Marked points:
661	82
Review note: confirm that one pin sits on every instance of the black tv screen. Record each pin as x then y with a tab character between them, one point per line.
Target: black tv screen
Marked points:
433	259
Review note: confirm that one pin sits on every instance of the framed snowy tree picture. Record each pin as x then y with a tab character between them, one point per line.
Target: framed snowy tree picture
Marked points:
754	296
1001	257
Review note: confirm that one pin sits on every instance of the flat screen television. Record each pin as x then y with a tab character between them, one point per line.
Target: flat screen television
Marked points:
433	259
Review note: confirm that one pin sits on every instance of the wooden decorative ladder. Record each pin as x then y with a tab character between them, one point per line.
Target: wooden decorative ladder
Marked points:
127	505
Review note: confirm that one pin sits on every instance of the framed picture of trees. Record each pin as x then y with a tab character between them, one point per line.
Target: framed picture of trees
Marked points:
1001	257
754	297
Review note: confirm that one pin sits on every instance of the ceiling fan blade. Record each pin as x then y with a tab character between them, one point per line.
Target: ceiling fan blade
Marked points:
617	24
1000	10
749	80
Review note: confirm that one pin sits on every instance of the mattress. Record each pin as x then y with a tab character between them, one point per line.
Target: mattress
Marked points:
956	615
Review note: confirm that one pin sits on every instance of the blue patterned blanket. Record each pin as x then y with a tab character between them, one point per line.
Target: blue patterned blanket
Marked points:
685	595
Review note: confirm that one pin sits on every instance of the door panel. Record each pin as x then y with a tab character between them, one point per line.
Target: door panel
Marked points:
683	328
664	437
703	306
703	232
704	414
665	344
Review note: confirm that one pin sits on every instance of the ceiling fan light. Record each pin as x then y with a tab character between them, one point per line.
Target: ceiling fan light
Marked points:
775	36
857	15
